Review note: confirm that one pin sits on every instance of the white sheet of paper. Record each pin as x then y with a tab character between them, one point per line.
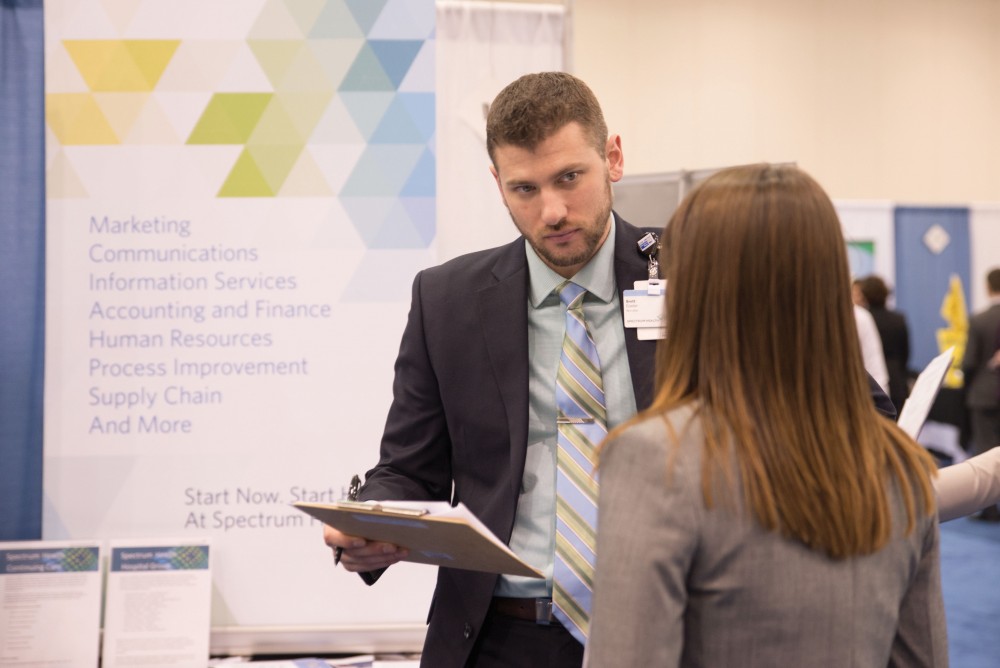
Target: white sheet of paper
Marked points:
158	604
50	603
918	405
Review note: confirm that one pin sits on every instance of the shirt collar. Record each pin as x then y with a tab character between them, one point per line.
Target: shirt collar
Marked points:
596	277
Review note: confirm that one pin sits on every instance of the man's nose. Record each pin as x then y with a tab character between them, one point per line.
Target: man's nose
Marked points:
553	207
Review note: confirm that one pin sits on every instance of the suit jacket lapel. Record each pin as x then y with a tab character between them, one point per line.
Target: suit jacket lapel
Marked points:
503	312
631	266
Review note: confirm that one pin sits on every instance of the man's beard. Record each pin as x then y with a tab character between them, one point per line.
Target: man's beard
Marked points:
592	236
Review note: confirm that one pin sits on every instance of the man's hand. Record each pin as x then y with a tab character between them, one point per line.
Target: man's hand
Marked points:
360	555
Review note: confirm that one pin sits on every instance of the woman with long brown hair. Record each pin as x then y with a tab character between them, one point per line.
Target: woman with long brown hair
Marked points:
761	512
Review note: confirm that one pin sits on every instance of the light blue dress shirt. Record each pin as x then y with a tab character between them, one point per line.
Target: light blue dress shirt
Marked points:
534	533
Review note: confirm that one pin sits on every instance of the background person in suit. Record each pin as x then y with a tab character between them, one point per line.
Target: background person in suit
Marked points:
474	416
761	512
982	378
893	332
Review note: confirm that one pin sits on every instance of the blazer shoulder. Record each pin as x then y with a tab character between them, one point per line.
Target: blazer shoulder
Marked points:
477	269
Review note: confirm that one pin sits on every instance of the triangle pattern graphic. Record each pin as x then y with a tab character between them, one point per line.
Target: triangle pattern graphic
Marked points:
305	180
151	57
275	127
423	214
404	19
276	56
422	73
367	214
366	73
395	56
367	109
275	162
121	110
245	179
422	181
305	13
121	65
152	126
199	65
62	181
336	21
397	126
366	12
75	118
120	12
335	56
421	108
382	170
275	22
229	118
336	126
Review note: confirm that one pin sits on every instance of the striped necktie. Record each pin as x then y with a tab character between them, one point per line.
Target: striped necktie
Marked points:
582	424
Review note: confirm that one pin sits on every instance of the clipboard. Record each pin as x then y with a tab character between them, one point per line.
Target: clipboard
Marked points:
435	533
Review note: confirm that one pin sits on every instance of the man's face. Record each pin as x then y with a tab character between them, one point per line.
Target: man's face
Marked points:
559	195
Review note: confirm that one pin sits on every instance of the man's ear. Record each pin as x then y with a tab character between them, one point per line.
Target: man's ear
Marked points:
615	158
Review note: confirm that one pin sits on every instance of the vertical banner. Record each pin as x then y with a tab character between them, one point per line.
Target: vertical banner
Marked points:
932	281
239	193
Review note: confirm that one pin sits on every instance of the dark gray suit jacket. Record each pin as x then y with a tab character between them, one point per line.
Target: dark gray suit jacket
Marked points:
982	385
459	415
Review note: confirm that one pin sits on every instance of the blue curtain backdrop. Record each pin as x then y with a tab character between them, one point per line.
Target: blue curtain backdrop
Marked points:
22	267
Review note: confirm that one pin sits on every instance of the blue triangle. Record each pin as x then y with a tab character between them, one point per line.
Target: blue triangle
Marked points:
366	73
397	126
422	110
422	182
366	12
396	56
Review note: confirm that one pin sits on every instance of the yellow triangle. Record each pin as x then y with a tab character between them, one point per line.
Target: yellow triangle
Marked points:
151	57
109	65
245	179
75	118
121	109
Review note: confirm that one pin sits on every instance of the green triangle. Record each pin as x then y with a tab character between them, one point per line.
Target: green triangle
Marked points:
229	118
245	179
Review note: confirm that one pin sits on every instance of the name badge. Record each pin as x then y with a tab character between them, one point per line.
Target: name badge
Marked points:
644	309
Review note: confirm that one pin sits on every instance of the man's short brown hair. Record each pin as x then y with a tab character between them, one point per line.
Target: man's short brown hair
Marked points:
535	106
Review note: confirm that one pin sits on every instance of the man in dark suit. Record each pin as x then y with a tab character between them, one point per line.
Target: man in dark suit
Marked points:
473	417
982	378
893	332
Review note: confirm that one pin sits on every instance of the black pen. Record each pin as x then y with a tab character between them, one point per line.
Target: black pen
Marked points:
352	495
